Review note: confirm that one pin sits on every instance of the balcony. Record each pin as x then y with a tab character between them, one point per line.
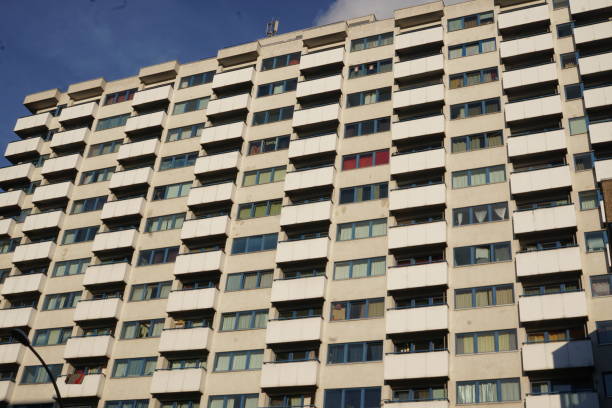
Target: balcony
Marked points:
288	290
190	380
417	276
51	220
231	105
42	100
115	240
160	95
158	72
325	34
318	87
91	386
417	67
544	219
325	114
600	132
522	17
417	404
299	214
302	250
557	355
17	317
150	122
290	374
238	54
198	262
407	129
87	89
127	179
6	390
211	195
419	38
405	163
552	306
7	227
121	209
593	32
404	236
416	197
192	300
595	64
603	170
12	353
177	340
223	133
23	149
33	124
586	6
312	146
526	45
53	192
22	284
417	319
562	400
317	60
535	263
318	177
410	366
106	274
533	143
85	112
202	228
58	166
70	138
21	173
533	108
39	251
233	78
217	163
294	330
145	149
598	97
88	347
519	78
418	96
539	180
98	309
12	199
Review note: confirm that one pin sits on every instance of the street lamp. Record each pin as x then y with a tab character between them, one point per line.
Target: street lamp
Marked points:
22	338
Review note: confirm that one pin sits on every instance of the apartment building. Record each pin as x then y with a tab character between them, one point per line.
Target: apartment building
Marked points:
397	213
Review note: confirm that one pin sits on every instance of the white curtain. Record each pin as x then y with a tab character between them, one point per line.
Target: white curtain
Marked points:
501	211
480	213
487	391
466	394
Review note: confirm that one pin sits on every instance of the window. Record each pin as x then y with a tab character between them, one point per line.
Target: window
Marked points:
564	30
583	161
39	161
246	320
178	161
477	141
165	222
601	285
551	335
607	378
476	108
191	105
142	329
280	61
470	21
373	41
4	273
596	240
150	291
144	403
134	367
485	253
358	309
422	393
573	91
58	301
264	176
366	159
368	97
589	200
197	79
9	245
271	144
30	187
358	352
248	280
479	177
118	97
272	115
473	48
73	236
71	267
88	204
233	401
254	243
278	87
259	209
471	78
483	391
486	342
238	360
367	127
171	191
157	256
112	122
484	296
362	229
52	337
366	192
578	125
352	398
479	214
105	148
370	68
569	60
96	176
185	132
604	332
38	375
360	268
560	3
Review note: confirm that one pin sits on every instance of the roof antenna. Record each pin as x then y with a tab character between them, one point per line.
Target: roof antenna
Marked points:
272	28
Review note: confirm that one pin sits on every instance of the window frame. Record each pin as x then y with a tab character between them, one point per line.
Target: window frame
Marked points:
159	287
382	188
353	224
106	174
349	304
169	255
288	85
243	276
178	161
40	369
376	126
259	172
113	144
161	192
277	61
379	64
491	248
284	113
493	289
68	298
373	163
97	206
236	315
232	355
379	38
351	263
142	372
88	232
262	237
378	92
470	173
137	323
483	108
170	220
64	335
498	389
366	345
464	47
112	122
261	145
252	205
81	263
464	77
190	105
113	98
471	216
190	80
478	22
195	129
495	333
